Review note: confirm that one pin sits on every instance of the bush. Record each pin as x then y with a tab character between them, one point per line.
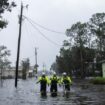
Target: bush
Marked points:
98	80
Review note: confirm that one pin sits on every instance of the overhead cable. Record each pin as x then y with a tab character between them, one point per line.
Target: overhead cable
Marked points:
43	34
44	27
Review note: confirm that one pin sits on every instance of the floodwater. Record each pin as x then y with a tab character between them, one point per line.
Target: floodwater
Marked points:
27	93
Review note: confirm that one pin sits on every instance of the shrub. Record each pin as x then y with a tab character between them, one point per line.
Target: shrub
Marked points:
98	80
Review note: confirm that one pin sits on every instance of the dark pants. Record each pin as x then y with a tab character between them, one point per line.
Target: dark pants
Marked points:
67	87
53	89
43	89
66	90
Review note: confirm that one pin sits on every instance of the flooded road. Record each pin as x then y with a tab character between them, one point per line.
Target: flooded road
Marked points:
28	93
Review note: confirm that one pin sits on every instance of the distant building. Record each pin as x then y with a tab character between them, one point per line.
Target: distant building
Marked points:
10	73
103	68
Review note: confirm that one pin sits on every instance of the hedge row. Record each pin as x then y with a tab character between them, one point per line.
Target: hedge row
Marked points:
98	80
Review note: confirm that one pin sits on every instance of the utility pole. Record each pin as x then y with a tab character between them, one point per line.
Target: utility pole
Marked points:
44	67
18	48
36	65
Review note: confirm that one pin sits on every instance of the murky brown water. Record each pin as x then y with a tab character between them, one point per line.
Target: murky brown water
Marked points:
28	93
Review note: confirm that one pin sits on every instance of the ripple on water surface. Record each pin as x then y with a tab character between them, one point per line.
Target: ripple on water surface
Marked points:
28	93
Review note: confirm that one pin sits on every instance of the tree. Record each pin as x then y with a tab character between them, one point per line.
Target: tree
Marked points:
4	62
54	67
5	5
97	27
63	61
25	67
86	45
79	35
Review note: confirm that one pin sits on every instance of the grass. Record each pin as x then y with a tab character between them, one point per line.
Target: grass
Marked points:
98	80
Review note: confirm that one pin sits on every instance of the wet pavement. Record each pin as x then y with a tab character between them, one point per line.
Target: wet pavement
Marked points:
27	93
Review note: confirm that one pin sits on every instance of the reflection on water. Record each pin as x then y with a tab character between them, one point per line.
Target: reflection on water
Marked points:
28	93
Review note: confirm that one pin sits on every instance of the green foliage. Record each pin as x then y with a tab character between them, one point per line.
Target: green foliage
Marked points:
80	38
86	43
25	67
98	80
5	5
78	33
3	24
64	60
54	67
97	27
4	62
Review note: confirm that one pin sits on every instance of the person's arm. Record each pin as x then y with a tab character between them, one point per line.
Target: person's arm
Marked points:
48	80
39	79
69	80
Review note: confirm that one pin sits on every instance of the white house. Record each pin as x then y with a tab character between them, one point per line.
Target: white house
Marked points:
10	73
103	68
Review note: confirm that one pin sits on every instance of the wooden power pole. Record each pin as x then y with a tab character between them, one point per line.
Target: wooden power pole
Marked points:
18	48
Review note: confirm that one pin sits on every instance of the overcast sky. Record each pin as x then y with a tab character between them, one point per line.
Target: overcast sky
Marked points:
57	15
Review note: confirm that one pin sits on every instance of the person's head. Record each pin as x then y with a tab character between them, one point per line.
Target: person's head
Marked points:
54	73
64	74
43	74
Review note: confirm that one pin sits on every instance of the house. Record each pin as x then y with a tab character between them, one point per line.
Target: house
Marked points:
10	73
103	68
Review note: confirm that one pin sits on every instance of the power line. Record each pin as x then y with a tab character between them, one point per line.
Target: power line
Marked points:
43	34
29	32
44	27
